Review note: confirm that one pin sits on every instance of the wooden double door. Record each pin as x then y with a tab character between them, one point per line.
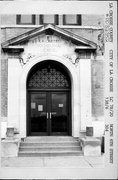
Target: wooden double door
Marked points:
49	113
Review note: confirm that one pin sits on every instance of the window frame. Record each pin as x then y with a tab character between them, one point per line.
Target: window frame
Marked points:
78	21
56	19
18	20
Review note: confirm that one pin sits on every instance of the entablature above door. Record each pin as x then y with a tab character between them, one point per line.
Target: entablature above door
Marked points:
48	39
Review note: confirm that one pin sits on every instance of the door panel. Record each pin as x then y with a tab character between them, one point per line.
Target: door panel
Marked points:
38	122
59	113
49	113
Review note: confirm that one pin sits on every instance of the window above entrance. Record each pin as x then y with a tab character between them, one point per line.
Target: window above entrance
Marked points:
49	19
56	19
48	75
26	19
71	19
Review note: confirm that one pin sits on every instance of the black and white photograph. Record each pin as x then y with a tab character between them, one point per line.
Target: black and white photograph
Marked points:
58	90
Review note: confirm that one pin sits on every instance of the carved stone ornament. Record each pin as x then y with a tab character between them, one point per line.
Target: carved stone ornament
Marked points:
42	47
100	46
23	61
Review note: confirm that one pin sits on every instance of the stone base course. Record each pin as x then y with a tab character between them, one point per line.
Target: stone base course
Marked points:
91	146
10	147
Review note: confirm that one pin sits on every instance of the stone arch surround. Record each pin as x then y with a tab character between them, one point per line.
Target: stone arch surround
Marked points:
75	95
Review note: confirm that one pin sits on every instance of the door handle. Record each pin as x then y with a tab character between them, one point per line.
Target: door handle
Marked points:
47	115
50	115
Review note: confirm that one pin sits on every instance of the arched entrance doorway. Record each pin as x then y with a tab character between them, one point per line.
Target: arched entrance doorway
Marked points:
48	99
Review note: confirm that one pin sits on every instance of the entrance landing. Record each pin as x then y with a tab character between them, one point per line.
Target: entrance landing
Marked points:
69	162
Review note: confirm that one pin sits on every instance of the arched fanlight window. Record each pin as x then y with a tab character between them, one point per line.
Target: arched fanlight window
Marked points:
49	75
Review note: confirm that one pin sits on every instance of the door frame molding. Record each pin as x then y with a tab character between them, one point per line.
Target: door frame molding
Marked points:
75	91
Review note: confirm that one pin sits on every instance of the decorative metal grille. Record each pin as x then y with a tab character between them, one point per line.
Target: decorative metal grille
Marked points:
48	78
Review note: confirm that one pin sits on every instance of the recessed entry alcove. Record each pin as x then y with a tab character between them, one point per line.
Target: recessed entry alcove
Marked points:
48	99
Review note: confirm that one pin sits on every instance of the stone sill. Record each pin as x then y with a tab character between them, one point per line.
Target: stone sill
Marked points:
12	140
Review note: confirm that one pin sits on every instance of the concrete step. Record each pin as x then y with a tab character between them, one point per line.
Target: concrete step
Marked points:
50	139
51	148
43	144
50	154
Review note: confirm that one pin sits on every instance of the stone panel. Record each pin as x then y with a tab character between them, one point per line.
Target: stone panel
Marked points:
85	92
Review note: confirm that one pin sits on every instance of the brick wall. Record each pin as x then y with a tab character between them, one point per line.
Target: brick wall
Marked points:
97	67
93	20
8	19
8	33
87	20
97	70
4	86
89	33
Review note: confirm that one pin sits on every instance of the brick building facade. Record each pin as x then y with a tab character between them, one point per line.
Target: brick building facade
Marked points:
74	41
